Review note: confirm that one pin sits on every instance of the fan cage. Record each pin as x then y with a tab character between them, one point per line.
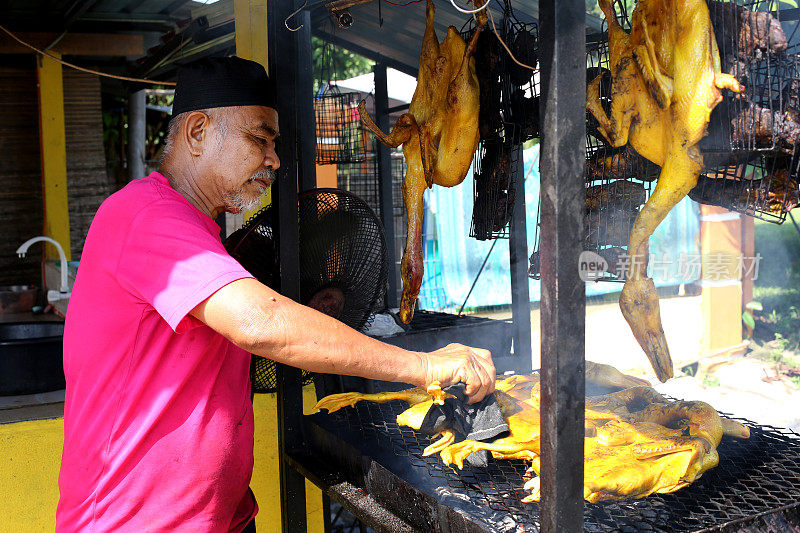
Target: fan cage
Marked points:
341	240
341	138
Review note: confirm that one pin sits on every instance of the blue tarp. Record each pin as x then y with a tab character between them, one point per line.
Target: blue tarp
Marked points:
452	259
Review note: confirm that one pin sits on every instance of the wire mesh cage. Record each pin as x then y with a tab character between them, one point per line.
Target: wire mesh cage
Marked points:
494	170
765	187
753	47
618	180
340	136
750	152
509	116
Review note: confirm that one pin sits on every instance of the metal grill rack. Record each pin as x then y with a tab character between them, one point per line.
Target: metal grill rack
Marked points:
750	151
341	138
494	169
618	180
756	480
765	187
509	116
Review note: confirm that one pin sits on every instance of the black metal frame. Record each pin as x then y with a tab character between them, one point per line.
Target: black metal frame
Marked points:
562	46
562	291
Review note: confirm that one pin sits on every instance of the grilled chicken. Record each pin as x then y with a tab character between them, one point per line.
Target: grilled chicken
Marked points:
666	81
636	442
439	135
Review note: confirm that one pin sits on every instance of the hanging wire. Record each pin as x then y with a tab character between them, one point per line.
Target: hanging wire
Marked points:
469	11
494	28
82	69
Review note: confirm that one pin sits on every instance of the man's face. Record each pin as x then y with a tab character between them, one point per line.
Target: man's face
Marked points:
245	162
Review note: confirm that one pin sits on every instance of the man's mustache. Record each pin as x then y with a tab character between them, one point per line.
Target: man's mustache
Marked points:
267	174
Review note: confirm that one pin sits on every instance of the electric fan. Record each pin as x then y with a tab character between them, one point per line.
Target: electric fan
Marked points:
343	270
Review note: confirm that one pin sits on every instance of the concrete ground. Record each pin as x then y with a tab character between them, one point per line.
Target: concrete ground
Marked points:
742	385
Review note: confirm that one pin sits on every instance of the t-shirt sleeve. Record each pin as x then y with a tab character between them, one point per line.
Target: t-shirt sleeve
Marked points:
172	260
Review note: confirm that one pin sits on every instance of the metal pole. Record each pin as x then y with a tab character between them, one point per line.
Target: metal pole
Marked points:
305	106
137	114
385	180
563	60
286	72
520	293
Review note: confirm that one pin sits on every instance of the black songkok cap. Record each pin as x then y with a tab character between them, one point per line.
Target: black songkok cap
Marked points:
222	82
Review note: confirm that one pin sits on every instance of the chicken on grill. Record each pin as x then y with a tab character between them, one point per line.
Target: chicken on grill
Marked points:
439	135
636	442
665	83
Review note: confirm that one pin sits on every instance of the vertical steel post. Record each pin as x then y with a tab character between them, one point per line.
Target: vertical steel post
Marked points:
137	114
287	73
385	180
518	258
562	41
304	106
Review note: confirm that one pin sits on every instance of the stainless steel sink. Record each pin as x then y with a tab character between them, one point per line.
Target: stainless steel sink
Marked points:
31	357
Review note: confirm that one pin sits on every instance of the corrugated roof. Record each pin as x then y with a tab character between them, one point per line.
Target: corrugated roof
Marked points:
380	31
393	34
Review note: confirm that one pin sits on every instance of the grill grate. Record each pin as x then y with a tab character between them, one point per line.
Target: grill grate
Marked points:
756	476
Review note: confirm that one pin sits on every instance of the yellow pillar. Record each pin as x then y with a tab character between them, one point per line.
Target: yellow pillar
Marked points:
721	300
250	22
265	482
52	137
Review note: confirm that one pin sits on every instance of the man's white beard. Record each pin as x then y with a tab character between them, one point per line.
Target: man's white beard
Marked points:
236	202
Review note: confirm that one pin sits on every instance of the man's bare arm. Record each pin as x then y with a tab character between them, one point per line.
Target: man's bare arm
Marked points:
261	321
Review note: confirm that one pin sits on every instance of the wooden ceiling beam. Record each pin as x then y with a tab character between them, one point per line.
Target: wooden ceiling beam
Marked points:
80	44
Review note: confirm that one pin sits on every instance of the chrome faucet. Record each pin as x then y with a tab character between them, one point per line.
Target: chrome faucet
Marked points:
63	293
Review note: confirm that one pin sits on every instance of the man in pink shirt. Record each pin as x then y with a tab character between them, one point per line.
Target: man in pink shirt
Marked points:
158	423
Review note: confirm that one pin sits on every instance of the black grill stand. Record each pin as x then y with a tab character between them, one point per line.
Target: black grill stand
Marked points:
563	163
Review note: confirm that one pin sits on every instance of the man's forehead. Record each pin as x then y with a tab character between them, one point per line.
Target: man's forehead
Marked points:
260	117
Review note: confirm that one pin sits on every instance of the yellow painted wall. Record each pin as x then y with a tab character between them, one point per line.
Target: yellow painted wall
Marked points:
30	455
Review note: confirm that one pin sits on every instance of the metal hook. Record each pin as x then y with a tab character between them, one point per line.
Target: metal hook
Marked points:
286	22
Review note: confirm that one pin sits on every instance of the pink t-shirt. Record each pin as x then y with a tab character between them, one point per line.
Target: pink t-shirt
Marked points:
158	423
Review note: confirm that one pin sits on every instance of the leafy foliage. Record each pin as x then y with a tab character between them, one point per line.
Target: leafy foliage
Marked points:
332	62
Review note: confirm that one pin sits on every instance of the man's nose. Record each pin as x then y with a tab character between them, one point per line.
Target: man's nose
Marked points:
271	160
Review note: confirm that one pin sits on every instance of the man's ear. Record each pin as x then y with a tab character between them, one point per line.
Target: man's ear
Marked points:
195	131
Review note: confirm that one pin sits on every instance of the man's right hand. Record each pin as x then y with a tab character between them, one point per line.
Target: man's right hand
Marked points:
458	363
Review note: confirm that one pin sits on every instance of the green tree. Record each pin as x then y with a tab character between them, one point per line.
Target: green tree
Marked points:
332	62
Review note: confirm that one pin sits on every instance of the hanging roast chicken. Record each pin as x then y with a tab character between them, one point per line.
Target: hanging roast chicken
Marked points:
439	135
666	81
